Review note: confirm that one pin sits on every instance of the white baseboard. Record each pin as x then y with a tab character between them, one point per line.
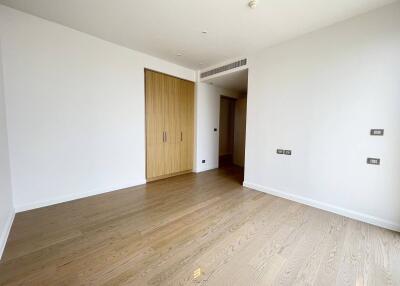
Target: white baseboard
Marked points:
204	169
63	199
327	207
6	231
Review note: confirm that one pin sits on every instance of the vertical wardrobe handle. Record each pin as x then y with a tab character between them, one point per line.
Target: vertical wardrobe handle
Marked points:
163	137
181	136
166	136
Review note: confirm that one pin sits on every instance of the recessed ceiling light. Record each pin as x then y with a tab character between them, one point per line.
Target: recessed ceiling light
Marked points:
179	55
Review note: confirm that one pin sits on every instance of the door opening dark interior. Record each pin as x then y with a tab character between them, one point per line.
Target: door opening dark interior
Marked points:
232	127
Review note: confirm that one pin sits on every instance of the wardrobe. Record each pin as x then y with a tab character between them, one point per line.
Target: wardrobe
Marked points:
169	125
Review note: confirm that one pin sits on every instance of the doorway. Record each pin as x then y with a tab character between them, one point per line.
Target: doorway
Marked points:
232	131
232	120
226	130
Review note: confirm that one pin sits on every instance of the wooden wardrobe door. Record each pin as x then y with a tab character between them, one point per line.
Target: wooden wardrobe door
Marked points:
190	126
169	125
155	148
171	117
182	130
186	105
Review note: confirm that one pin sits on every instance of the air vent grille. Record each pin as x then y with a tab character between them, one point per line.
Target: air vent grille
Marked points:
224	68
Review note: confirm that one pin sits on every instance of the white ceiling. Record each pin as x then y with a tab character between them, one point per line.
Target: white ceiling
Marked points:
236	81
165	28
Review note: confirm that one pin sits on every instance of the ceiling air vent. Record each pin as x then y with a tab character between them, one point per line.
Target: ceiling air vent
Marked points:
224	68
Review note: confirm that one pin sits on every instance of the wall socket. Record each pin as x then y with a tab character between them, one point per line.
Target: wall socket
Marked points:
283	152
377	132
373	161
203	161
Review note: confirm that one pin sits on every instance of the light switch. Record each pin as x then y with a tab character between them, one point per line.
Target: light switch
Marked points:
377	132
373	161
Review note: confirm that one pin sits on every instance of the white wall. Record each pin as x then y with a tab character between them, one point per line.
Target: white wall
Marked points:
6	200
319	95
239	140
75	110
207	118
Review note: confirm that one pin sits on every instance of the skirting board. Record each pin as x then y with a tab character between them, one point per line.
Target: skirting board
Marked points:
326	207
63	199
6	231
204	169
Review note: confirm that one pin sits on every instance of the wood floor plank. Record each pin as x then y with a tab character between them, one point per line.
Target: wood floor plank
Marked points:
195	229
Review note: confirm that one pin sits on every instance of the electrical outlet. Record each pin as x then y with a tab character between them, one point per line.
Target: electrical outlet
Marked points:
280	151
377	132
215	129
373	161
203	161
288	152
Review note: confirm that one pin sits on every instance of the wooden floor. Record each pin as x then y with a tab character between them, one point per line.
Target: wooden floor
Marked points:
203	229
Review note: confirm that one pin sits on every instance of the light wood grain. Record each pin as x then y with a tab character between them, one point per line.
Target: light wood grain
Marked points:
160	233
155	126
169	125
186	104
